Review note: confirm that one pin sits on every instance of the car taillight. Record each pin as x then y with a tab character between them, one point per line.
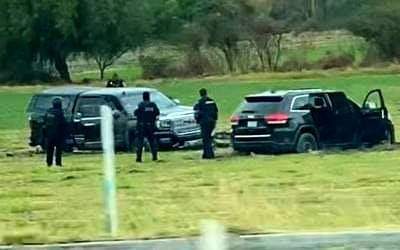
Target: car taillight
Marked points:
235	120
278	118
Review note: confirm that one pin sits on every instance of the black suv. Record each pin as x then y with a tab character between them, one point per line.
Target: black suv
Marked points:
41	102
309	119
176	126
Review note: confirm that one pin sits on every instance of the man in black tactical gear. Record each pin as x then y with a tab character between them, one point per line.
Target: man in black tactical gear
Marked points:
146	115
115	82
54	132
206	116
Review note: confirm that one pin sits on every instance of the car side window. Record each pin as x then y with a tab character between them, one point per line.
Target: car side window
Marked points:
90	106
300	103
340	103
373	101
322	97
113	103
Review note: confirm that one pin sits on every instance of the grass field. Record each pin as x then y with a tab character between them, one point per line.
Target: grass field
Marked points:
328	191
315	48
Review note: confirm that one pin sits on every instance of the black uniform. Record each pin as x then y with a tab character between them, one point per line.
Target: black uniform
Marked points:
207	116
54	133
146	114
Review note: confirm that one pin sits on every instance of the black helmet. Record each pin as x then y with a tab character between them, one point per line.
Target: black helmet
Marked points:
57	103
203	92
146	96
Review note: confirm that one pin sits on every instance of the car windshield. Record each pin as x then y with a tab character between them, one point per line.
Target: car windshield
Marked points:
131	101
41	103
260	105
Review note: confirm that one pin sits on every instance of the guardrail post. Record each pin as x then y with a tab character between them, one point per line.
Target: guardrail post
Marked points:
213	236
110	194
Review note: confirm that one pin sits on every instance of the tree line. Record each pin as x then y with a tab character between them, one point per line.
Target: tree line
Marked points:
38	36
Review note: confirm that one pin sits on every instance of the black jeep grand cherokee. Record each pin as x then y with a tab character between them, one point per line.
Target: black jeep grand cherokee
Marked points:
309	119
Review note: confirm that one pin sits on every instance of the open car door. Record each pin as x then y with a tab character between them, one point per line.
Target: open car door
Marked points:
375	118
87	121
374	105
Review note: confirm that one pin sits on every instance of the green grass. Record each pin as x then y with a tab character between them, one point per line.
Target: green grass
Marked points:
313	52
328	192
13	108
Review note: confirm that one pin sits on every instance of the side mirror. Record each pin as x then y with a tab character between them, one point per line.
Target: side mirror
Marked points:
116	114
78	117
177	101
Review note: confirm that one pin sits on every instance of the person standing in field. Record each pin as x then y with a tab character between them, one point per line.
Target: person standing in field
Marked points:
146	114
54	132
206	116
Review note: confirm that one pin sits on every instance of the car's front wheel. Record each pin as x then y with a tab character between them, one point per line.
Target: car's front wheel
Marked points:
130	144
68	149
389	137
306	143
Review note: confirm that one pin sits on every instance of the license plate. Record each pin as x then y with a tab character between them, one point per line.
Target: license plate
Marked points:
252	124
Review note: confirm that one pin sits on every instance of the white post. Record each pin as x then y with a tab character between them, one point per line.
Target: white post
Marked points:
212	236
110	202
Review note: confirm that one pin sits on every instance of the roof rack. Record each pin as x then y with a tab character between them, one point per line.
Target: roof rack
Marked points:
286	91
305	89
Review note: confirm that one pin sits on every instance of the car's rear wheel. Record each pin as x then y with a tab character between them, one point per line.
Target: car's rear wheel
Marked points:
306	143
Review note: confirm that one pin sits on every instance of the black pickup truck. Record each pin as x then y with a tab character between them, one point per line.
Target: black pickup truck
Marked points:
176	125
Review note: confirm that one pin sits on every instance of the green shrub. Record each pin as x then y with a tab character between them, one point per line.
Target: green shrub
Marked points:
336	61
295	64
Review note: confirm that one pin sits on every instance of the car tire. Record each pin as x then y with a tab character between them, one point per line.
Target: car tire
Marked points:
306	143
243	152
240	151
130	143
389	137
68	149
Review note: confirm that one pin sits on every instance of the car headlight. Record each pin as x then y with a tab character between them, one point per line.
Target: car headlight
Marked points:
165	124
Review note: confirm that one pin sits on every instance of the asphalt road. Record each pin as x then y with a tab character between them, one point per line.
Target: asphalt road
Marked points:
338	241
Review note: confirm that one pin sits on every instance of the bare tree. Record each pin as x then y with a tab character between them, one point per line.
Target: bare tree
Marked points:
266	36
105	60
